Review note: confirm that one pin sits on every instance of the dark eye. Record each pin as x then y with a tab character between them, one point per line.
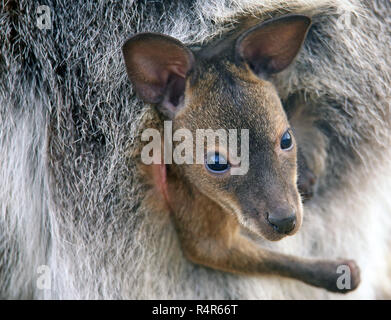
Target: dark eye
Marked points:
286	141
216	163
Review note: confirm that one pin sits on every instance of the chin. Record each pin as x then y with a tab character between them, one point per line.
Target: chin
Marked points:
273	236
265	232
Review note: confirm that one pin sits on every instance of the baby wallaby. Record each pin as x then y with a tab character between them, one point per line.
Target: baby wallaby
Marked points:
225	86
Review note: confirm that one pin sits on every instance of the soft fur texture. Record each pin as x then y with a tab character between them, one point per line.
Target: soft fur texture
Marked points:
71	196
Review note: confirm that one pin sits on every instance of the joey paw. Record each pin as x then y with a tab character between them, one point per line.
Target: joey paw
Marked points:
354	278
344	276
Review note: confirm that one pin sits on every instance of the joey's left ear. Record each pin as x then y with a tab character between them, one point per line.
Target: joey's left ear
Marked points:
271	46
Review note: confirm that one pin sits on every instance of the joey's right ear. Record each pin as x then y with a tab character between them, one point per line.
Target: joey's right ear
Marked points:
157	66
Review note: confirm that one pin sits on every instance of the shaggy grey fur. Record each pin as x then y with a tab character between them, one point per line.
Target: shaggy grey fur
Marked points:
71	197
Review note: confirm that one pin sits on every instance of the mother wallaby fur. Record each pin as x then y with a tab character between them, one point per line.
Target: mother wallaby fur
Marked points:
72	198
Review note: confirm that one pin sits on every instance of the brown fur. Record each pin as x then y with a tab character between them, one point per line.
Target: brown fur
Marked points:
312	145
209	211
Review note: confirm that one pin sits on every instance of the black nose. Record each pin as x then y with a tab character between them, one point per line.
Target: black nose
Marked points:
282	220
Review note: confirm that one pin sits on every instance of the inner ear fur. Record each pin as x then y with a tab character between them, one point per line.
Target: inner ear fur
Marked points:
157	66
271	46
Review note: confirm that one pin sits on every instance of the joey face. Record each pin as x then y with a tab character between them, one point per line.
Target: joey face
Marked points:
265	200
227	88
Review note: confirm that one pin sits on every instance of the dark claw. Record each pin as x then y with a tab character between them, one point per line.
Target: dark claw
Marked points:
306	178
306	183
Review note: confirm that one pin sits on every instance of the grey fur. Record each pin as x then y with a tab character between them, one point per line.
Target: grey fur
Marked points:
71	197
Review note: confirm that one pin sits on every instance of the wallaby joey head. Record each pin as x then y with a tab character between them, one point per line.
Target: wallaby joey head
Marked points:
225	85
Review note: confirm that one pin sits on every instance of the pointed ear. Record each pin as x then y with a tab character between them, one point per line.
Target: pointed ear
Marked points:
157	66
271	46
